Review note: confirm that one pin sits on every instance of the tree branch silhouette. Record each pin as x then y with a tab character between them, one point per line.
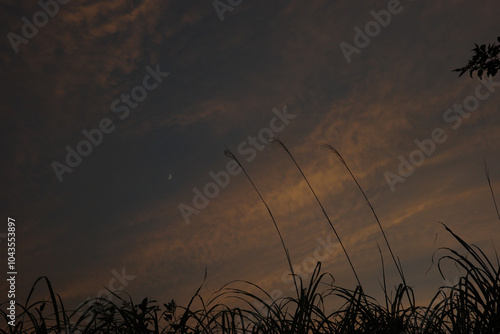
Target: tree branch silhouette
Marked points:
485	60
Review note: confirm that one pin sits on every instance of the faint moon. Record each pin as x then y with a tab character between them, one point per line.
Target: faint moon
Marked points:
170	176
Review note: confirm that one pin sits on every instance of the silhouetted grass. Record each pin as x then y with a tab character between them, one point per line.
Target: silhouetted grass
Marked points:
472	305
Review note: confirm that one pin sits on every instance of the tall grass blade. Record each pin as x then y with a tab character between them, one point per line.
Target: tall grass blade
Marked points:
282	145
230	155
487	172
367	201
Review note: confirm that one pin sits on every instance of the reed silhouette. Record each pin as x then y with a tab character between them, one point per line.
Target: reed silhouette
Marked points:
471	305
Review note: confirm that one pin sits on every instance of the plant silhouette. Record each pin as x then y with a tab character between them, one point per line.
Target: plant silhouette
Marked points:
485	60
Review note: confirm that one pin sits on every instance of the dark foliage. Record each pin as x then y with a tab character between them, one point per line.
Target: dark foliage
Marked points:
485	60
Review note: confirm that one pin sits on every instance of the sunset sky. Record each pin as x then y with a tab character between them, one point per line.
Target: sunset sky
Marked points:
152	92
